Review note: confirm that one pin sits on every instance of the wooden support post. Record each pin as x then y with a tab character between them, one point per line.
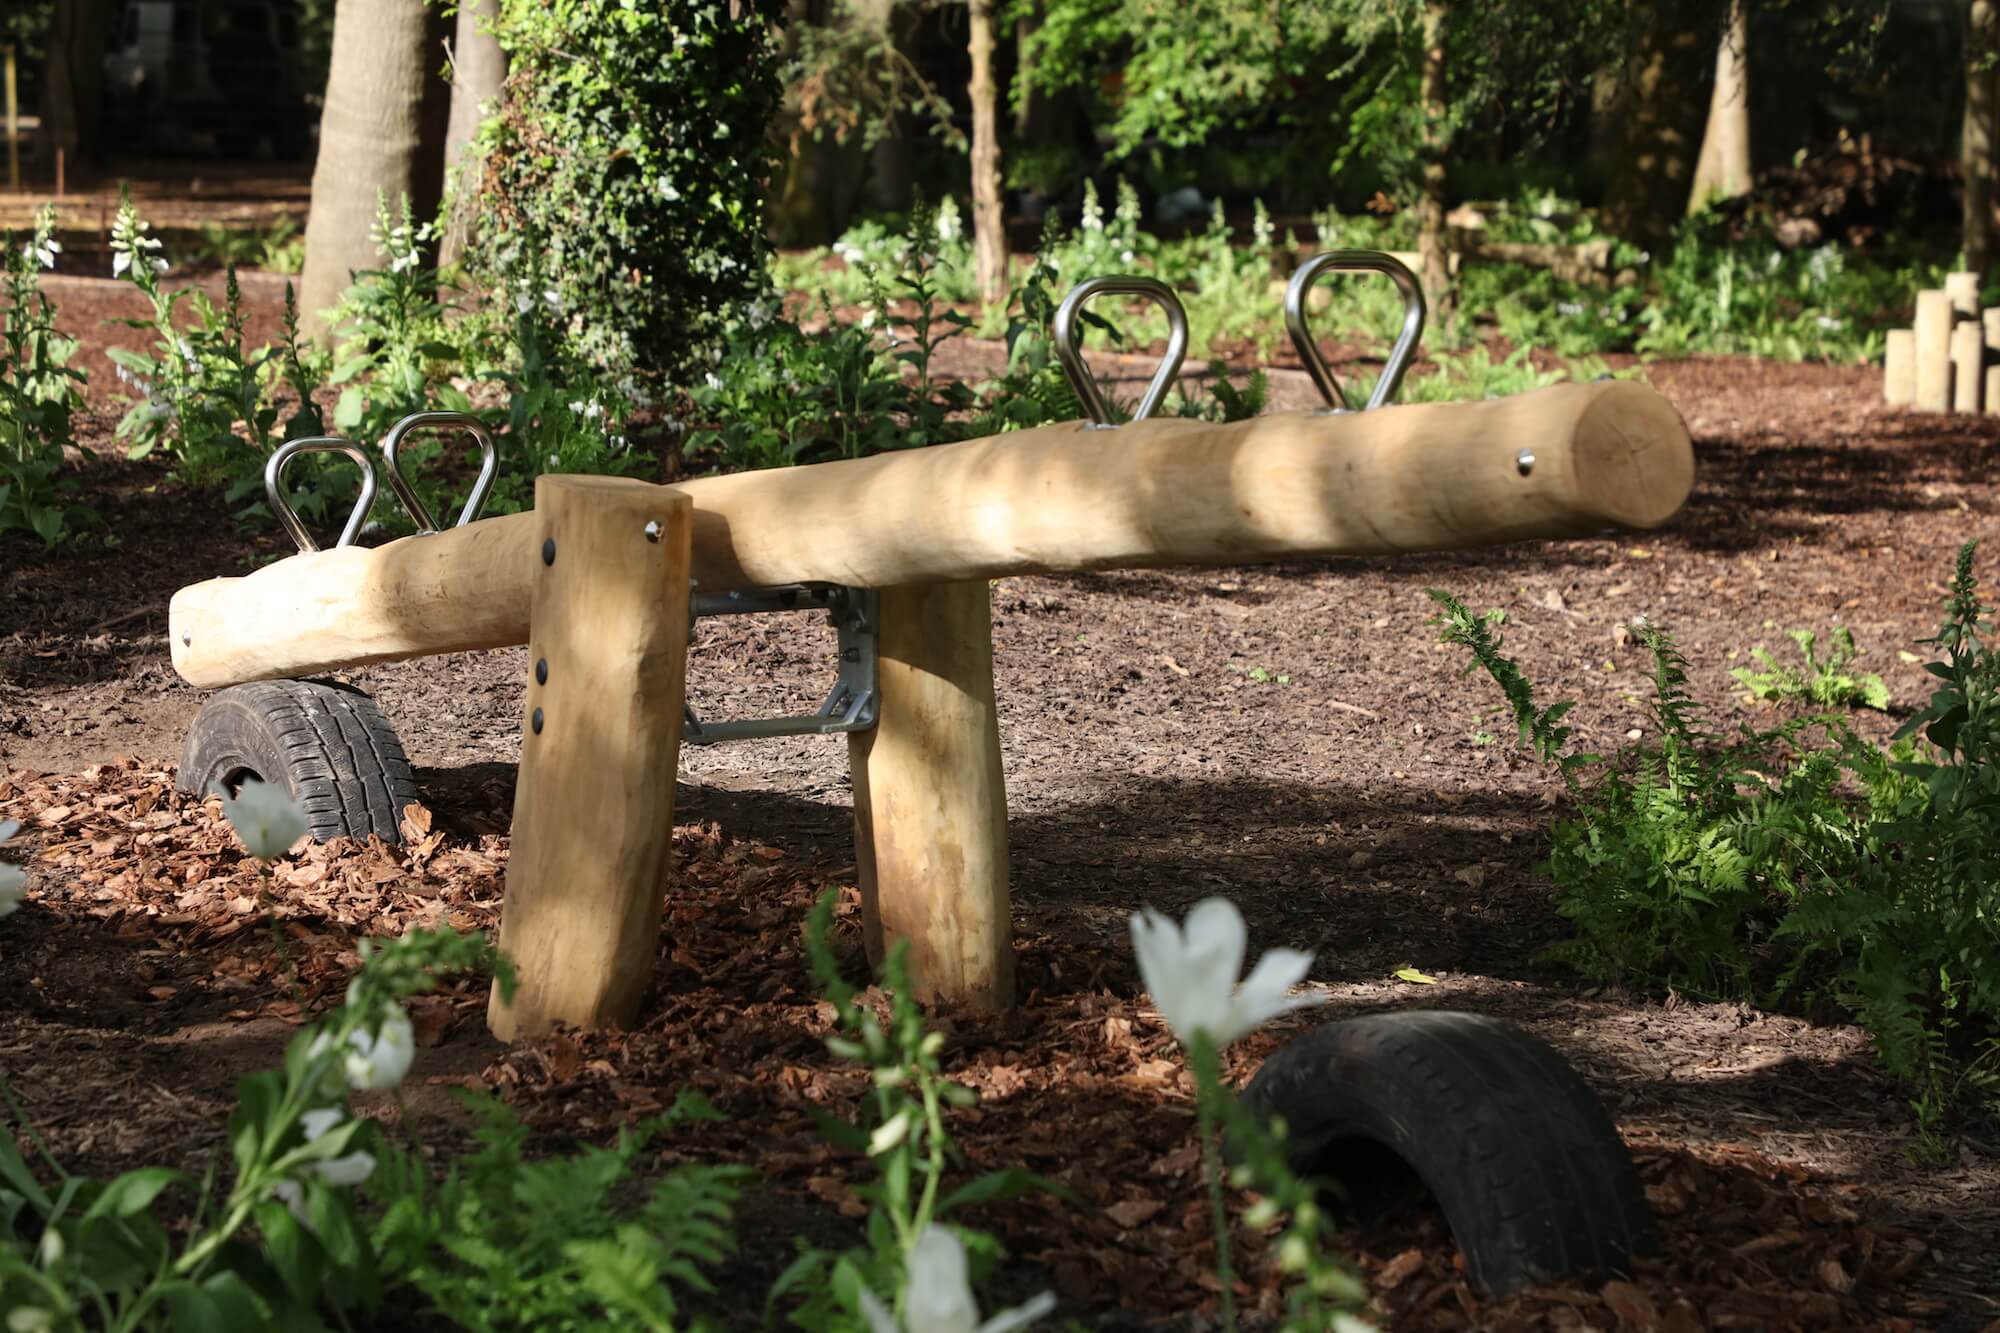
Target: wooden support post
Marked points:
1990	325
1968	365
1963	289
930	806
1899	368
1933	342
593	811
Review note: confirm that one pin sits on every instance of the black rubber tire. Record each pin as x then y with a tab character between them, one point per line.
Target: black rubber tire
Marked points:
1511	1142
327	745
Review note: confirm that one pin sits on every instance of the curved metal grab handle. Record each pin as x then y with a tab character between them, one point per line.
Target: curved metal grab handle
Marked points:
489	466
1069	344
274	488
1355	261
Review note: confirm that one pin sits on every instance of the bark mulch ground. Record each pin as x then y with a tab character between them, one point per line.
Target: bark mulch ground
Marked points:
1287	736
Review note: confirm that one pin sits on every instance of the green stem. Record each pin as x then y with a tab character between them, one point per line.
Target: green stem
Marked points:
1208	1087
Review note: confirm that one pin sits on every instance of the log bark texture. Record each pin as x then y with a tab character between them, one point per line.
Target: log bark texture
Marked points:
930	806
1059	498
593	809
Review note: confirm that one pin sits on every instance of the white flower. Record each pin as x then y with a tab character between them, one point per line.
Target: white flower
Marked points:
45	251
667	191
1829	323
351	1169
937	1294
380	1059
120	261
950	226
13	888
267	820
1569	308
1191	973
713	380
293	1196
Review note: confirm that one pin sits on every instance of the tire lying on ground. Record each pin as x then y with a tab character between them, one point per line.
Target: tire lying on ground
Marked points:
1516	1149
325	744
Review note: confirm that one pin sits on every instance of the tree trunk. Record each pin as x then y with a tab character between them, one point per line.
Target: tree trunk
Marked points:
989	222
73	80
1722	171
478	69
1649	186
1436	275
379	137
1977	137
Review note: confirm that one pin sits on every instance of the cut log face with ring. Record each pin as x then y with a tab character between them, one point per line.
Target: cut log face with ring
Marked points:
1059	498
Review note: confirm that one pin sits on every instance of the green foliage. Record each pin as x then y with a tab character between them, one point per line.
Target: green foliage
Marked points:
283	1242
1834	873
1825	684
1752	297
276	247
902	1133
396	351
38	392
632	153
504	1242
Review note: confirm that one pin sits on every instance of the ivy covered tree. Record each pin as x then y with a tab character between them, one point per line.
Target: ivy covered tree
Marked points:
626	175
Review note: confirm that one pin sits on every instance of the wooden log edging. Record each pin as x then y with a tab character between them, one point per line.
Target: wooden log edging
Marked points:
1565	461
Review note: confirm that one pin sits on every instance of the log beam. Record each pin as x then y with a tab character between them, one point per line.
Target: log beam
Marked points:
1567	461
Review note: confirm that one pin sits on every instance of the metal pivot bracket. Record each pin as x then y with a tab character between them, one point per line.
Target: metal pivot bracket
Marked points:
1355	261
1068	333
849	706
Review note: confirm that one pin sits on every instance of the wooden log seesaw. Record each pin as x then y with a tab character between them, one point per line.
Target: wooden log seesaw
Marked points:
597	581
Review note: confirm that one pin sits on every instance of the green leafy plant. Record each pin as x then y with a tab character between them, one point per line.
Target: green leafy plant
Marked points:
649	121
904	1137
283	1241
1801	866
506	1242
1823	683
38	392
396	351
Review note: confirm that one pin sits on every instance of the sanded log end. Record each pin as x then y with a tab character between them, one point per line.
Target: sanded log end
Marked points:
1633	459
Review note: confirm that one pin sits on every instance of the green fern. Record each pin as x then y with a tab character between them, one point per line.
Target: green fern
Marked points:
1824	684
1802	866
505	1242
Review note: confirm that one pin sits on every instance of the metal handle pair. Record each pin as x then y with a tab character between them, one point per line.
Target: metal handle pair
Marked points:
1069	333
281	457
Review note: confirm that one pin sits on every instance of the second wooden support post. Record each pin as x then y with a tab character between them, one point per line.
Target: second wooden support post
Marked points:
930	805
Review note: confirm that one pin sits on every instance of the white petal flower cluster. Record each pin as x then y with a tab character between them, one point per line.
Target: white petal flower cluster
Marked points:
379	1060
267	820
937	1294
13	879
340	1172
1191	972
131	245
43	250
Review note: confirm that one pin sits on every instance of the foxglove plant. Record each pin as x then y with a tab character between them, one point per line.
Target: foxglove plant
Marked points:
38	391
1191	970
286	1241
937	1294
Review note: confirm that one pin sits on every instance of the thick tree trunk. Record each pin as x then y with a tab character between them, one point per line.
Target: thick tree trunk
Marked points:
73	80
1722	171
989	223
1648	190
1436	275
1977	138
381	135
478	69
